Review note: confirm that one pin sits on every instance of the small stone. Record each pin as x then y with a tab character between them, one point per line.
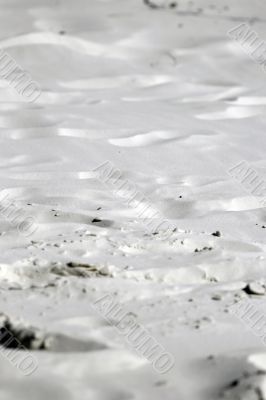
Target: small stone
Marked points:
217	233
160	383
217	297
173	4
96	220
254	288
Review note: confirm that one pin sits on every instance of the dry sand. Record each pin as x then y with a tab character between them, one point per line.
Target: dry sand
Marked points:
171	101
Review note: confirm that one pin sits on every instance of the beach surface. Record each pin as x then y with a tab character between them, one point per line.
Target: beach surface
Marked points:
160	93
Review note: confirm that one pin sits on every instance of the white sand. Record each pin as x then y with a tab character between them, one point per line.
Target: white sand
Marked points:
172	102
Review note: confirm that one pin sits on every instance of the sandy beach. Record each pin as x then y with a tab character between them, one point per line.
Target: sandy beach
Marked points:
132	204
